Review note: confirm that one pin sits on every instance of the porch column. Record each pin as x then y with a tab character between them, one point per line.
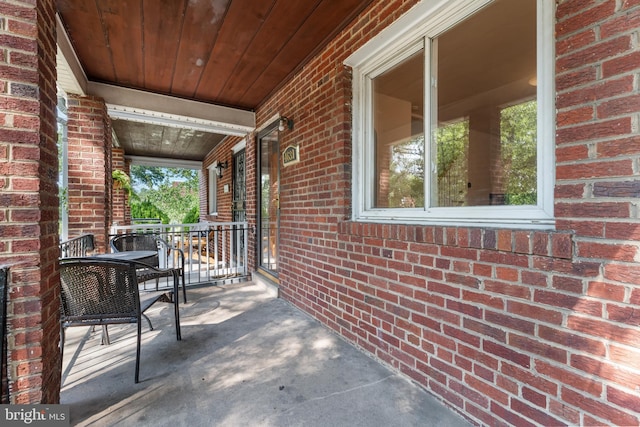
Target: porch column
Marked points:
90	182
29	197
121	210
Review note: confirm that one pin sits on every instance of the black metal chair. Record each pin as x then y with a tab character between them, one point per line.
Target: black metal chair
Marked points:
151	242
78	246
105	292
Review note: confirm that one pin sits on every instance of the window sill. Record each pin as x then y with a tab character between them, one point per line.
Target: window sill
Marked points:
545	243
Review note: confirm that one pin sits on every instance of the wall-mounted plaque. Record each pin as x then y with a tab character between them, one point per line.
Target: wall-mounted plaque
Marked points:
291	155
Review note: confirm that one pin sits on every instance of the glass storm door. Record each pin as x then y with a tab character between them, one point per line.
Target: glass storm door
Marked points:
239	187
269	209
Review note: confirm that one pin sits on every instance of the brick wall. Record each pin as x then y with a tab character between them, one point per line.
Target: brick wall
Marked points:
29	197
224	152
506	327
121	211
90	182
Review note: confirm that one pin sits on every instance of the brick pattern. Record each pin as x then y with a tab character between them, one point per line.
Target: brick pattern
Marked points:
507	327
90	182
223	152
121	213
29	197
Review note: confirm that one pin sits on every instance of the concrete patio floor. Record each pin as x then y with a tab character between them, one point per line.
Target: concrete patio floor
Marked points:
246	358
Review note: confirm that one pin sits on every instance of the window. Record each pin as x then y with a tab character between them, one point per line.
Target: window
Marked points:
453	116
213	185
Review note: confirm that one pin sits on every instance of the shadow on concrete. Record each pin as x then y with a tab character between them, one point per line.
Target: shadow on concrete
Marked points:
245	359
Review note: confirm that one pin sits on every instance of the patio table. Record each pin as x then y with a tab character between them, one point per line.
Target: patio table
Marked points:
127	255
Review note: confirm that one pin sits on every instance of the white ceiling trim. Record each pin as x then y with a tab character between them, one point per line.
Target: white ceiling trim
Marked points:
145	107
119	112
164	163
71	77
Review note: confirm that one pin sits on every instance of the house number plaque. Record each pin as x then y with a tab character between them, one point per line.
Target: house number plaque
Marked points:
291	155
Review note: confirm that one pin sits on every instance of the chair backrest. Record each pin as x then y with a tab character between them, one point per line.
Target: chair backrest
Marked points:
98	292
138	242
78	246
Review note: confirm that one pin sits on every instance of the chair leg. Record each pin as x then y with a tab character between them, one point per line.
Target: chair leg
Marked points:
137	376
175	305
61	345
148	321
105	335
184	287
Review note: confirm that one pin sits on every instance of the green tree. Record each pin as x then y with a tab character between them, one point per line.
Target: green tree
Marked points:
406	179
518	133
452	161
173	191
192	216
147	210
154	176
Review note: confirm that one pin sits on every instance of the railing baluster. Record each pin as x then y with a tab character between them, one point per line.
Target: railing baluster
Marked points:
213	250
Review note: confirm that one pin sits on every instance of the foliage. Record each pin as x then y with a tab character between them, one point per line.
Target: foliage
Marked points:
193	216
173	191
154	177
518	133
452	160
122	180
145	209
406	179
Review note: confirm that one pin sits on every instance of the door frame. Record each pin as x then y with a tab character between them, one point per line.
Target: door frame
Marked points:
271	274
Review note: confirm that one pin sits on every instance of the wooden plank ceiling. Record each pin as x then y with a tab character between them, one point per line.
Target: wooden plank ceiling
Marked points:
226	52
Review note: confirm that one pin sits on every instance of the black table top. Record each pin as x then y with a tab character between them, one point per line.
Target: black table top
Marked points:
127	255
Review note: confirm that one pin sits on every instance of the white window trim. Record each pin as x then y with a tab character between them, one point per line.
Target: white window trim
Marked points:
428	19
213	187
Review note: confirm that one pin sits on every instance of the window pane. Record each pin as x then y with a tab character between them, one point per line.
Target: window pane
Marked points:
485	109
398	122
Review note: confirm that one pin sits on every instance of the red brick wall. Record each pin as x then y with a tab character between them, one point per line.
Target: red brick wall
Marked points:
507	327
90	182
224	152
121	210
29	197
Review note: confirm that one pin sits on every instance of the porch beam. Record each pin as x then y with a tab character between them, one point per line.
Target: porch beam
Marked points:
146	107
164	163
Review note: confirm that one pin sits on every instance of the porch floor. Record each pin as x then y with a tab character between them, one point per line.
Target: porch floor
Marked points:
246	358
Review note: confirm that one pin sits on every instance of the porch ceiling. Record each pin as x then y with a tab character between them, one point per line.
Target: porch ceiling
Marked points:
231	53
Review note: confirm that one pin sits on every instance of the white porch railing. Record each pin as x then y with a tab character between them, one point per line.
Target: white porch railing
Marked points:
213	251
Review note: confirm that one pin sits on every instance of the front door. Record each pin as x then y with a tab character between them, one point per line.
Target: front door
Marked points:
269	197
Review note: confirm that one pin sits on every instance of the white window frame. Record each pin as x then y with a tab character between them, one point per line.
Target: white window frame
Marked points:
407	35
213	187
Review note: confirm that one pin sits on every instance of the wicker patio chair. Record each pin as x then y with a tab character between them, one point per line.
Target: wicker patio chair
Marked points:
105	292
151	242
